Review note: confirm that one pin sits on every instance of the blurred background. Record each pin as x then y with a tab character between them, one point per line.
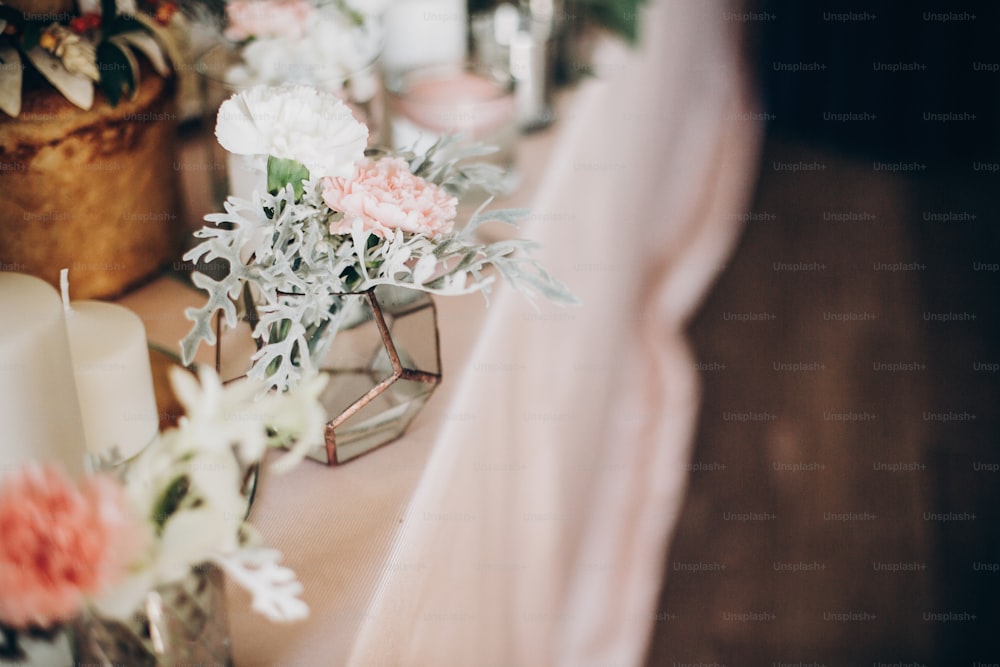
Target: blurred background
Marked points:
842	507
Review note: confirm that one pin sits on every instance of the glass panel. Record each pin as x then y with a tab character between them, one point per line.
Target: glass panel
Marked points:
369	399
379	380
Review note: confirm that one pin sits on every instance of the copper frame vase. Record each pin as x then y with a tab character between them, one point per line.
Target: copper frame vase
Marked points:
383	365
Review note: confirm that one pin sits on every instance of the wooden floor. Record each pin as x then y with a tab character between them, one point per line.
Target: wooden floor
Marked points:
844	498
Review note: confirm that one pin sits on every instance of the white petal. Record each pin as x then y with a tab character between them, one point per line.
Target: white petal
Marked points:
77	88
145	43
293	122
236	129
10	79
185	387
189	538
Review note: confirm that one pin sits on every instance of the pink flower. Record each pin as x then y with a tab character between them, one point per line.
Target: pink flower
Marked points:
385	195
59	543
267	18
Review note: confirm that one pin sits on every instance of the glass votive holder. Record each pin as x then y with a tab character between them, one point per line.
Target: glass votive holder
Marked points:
229	174
462	99
223	73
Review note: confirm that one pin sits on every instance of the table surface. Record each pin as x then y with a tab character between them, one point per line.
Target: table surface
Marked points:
524	516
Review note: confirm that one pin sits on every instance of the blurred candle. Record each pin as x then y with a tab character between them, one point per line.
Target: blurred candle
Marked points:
429	102
114	379
529	65
456	101
424	32
39	412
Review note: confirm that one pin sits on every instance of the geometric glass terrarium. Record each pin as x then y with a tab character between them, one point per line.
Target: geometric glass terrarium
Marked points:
334	221
383	364
382	368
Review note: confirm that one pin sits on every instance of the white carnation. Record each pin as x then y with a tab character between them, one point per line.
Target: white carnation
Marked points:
334	52
295	123
266	60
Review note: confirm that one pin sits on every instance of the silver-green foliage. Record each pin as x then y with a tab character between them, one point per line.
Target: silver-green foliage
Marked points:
285	264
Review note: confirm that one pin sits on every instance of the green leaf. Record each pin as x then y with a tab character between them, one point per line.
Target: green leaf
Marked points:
11	15
620	16
109	10
356	17
118	70
30	34
170	501
124	23
282	172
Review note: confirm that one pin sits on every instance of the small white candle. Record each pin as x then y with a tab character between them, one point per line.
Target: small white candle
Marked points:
39	413
113	378
435	101
424	32
456	102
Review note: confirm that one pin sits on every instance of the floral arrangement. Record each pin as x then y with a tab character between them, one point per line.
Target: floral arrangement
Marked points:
328	45
101	545
338	220
75	51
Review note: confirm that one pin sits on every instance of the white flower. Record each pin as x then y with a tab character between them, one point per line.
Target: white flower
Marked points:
77	56
218	417
298	415
241	415
266	60
335	55
80	57
295	123
188	485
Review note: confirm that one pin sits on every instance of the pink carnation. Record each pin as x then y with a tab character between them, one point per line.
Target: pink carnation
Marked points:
385	195
267	18
59	543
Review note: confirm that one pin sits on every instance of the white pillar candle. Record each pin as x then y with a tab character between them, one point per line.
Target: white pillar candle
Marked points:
424	32
39	413
113	378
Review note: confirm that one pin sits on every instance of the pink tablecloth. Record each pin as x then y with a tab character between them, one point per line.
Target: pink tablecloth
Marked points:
524	518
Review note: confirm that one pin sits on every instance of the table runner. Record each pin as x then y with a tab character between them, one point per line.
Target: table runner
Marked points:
541	525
